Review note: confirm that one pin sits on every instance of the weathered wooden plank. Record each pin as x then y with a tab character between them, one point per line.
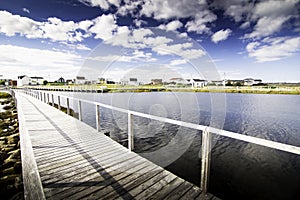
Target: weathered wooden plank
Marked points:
167	189
117	188
145	194
92	177
180	191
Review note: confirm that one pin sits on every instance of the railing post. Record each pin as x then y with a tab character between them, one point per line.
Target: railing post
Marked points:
52	99
98	117
45	98
130	132
48	98
68	106
41	94
205	160
58	98
79	111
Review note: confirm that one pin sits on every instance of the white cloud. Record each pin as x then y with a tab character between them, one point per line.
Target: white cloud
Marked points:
104	26
267	26
172	26
54	28
270	17
104	4
272	49
199	23
134	56
11	25
178	62
183	49
25	10
220	35
239	10
17	60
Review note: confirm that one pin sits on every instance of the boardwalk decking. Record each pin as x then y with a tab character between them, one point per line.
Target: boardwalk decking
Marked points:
64	158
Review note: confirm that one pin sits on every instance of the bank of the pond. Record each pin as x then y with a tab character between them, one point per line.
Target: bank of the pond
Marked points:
11	186
137	89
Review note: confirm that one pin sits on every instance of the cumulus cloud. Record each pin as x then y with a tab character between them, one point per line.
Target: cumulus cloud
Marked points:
184	50
272	49
104	4
24	60
54	28
171	26
104	26
199	23
220	35
267	26
270	17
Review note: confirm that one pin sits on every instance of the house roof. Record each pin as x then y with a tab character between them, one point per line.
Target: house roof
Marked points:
37	77
80	77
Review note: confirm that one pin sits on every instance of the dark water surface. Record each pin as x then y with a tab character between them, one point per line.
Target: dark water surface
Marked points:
239	170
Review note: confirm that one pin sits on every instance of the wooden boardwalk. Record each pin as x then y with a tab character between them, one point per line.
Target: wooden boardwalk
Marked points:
63	158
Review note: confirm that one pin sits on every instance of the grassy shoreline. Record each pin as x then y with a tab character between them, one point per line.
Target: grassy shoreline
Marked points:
218	89
11	186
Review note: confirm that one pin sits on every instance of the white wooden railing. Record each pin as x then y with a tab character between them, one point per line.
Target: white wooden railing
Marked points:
206	130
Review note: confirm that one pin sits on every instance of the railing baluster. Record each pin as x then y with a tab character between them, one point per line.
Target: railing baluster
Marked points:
98	117
68	106
48	97
58	98
205	160
45	98
52	100
130	132
79	111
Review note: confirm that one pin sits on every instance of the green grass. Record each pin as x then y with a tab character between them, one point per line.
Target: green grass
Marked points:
4	95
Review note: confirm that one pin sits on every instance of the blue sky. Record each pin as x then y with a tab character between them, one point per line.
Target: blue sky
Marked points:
147	39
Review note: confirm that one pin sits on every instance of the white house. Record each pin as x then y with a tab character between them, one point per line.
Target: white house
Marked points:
23	80
178	81
80	80
251	81
196	83
35	80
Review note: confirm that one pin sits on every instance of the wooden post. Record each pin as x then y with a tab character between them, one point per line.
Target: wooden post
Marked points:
48	98
98	117
45	98
58	98
68	106
41	96
52	100
130	132
79	111
205	160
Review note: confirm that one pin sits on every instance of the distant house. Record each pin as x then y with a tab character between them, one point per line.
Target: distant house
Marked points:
69	81
13	83
196	83
178	81
251	81
61	80
218	83
23	80
5	81
156	81
133	81
80	80
36	80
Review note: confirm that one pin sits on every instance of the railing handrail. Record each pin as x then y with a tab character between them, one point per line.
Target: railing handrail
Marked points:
216	131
